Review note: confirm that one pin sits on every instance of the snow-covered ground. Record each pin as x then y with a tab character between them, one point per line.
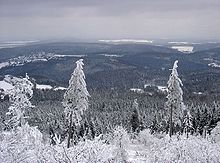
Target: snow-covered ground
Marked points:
162	88
38	57
77	56
214	65
111	55
6	86
178	43
198	93
137	90
159	87
127	41
184	49
145	148
4	64
42	86
59	88
12	44
21	60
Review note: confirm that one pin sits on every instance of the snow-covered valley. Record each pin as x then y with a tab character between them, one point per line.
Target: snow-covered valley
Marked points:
184	49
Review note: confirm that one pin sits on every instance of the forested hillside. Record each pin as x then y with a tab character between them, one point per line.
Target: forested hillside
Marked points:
122	121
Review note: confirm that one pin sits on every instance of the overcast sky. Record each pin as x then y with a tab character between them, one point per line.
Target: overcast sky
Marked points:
109	19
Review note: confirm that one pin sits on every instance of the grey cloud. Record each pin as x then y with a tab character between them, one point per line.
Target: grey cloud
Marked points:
109	18
102	7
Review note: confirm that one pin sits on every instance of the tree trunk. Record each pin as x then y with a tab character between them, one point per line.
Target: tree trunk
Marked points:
187	135
70	130
171	120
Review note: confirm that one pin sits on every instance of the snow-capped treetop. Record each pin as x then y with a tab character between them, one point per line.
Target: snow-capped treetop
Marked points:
76	96
175	93
188	123
135	104
174	80
19	96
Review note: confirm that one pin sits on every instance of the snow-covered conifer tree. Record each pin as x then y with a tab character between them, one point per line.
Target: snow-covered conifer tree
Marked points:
175	98
19	96
121	141
188	124
135	118
76	98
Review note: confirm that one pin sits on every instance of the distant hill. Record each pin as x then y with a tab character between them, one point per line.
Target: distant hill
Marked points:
109	66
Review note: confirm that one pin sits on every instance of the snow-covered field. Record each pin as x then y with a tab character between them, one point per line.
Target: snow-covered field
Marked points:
12	44
127	41
112	55
42	86
5	86
162	88
184	49
4	64
198	93
178	43
61	56
159	87
137	90
214	65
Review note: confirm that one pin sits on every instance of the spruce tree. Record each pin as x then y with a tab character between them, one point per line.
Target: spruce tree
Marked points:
174	102
75	99
135	118
188	123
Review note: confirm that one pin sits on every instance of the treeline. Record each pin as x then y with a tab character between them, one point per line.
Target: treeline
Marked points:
109	109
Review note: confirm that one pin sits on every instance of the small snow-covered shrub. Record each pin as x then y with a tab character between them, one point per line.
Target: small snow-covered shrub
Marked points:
120	137
121	141
26	145
192	149
21	145
178	149
91	151
146	138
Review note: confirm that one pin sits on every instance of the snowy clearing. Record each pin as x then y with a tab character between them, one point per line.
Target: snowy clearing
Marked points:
38	57
77	56
5	86
159	87
162	88
127	41
176	42
184	49
59	88
111	55
12	44
42	86
4	64
137	90
214	65
198	93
